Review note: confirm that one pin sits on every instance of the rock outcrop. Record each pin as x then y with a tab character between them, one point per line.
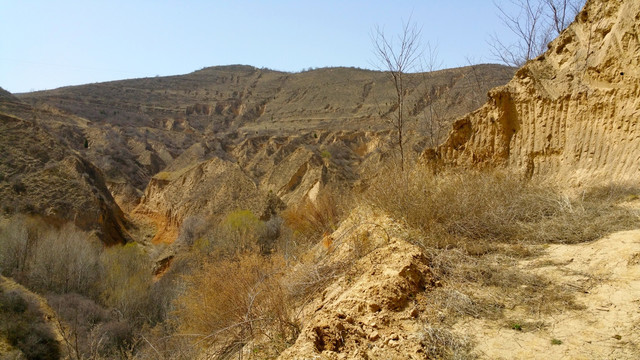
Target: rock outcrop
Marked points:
573	112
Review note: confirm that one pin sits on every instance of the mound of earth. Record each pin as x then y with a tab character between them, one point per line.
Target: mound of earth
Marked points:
371	310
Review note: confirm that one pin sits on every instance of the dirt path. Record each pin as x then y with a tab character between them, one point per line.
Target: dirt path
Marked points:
605	276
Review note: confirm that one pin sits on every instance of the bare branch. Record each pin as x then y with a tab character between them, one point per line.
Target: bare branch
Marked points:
398	58
534	23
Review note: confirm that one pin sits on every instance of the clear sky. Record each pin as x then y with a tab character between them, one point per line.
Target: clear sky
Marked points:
46	44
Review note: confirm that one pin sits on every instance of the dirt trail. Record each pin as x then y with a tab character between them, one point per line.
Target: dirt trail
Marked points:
605	276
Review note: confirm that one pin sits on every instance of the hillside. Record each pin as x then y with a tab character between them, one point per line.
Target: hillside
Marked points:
41	176
279	133
572	113
138	127
29	327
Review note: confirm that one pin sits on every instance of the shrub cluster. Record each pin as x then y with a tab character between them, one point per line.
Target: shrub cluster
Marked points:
23	324
468	208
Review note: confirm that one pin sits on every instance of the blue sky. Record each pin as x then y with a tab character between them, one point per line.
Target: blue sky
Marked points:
48	44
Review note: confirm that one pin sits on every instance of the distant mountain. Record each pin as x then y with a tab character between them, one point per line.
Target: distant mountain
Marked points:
166	144
138	127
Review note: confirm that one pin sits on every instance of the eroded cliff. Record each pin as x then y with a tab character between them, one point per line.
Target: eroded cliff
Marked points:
572	112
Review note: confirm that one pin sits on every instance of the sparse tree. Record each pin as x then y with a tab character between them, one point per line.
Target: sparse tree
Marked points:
534	23
397	57
434	113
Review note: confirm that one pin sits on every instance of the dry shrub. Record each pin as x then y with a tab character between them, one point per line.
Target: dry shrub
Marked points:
460	205
161	343
473	209
592	214
14	245
310	219
49	259
81	316
64	261
234	302
191	229
440	343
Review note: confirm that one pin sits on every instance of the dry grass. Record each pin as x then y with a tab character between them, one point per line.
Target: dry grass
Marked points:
475	226
477	210
440	343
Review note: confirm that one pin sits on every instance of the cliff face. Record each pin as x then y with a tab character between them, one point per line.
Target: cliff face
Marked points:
572	113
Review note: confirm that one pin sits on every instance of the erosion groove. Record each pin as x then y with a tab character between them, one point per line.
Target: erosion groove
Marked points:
572	112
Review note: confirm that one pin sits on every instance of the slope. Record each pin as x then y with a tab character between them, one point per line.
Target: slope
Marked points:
40	176
138	127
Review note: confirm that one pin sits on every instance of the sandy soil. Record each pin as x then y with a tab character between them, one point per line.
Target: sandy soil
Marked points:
605	277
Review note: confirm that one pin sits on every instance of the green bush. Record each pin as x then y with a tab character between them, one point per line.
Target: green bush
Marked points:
240	230
127	281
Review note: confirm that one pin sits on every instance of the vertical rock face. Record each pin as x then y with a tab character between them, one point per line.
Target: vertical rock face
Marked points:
573	112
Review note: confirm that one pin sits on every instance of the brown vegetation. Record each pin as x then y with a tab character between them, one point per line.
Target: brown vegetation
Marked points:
236	302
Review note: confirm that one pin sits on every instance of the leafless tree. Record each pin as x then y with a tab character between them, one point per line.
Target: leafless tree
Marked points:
397	57
434	113
561	12
534	23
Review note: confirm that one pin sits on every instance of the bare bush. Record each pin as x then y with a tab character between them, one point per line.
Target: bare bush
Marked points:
49	259
192	228
80	316
233	302
15	247
65	260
